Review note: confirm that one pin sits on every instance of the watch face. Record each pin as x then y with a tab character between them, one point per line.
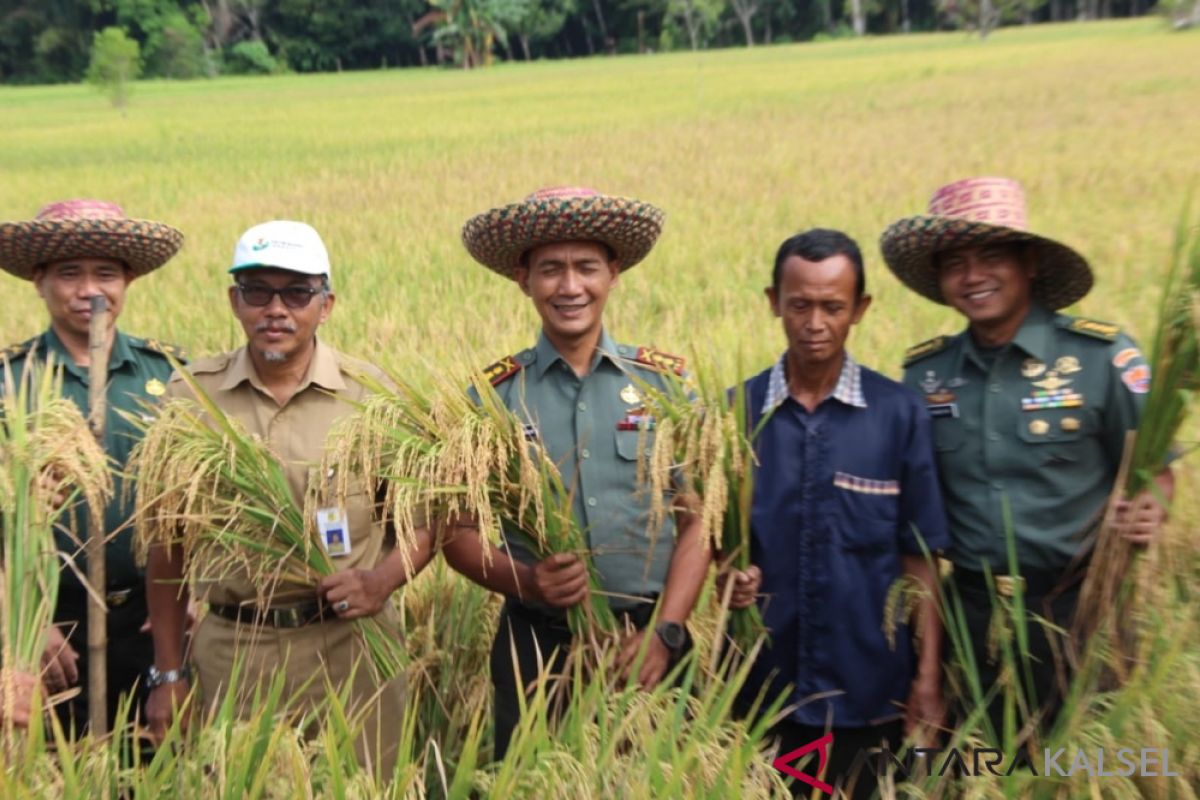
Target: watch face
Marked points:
672	634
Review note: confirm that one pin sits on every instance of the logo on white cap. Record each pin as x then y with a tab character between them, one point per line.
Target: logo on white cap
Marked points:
283	244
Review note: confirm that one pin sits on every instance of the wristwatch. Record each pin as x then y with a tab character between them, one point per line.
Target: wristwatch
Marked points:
156	677
672	635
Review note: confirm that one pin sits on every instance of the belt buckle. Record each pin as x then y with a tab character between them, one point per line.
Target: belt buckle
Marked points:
1007	585
118	598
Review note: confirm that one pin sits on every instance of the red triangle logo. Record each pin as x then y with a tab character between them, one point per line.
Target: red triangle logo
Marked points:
822	747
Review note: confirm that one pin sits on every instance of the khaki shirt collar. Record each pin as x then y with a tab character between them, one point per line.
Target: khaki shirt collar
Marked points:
547	354
323	371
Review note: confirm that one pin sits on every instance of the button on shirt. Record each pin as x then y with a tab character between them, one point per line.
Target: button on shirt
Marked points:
296	432
840	494
1039	425
577	421
134	367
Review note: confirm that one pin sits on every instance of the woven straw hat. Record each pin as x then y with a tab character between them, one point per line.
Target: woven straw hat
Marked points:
498	238
979	211
86	229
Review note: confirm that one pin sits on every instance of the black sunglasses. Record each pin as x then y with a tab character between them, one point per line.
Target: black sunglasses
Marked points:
294	297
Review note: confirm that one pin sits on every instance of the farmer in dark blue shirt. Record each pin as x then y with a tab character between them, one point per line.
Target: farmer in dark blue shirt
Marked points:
846	506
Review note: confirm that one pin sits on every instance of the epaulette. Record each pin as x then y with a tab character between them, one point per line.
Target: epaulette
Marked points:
502	370
1090	327
17	350
659	360
925	349
162	348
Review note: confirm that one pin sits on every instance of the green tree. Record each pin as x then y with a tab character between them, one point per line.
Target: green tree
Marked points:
115	62
542	20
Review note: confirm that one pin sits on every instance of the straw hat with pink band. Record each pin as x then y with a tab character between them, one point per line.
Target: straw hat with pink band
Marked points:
979	211
498	238
86	229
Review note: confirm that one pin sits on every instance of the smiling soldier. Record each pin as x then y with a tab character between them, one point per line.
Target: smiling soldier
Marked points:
1030	410
576	391
288	388
73	251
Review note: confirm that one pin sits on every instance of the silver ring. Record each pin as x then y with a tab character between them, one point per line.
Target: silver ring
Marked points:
341	606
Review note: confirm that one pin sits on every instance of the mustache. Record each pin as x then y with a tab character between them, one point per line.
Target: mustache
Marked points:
286	327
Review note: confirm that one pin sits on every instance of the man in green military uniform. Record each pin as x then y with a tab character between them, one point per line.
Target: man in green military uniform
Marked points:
1030	411
73	251
576	391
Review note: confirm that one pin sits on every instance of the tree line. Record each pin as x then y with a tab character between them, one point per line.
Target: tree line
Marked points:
47	41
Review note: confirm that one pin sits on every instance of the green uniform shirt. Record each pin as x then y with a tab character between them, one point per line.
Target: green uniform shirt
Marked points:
578	421
1043	425
137	373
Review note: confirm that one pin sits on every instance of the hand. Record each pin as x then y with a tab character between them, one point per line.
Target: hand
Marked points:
16	696
60	662
1139	519
654	665
925	713
162	705
746	584
355	593
561	580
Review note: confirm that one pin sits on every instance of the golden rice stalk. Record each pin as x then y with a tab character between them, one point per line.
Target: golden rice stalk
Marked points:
207	485
1107	596
444	453
49	462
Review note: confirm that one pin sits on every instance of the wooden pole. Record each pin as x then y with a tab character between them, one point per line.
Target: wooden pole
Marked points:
97	616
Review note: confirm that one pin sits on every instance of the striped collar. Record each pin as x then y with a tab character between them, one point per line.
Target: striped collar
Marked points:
848	389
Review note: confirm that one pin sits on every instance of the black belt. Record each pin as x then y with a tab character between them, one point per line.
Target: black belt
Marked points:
289	617
1033	583
638	616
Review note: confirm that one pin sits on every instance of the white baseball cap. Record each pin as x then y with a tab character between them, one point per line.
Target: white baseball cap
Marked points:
283	244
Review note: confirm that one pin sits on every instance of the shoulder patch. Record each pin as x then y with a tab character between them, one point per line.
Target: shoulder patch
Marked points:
925	349
162	348
502	370
17	350
1090	327
657	359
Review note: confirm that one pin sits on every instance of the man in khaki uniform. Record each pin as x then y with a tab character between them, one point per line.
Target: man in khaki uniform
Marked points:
288	388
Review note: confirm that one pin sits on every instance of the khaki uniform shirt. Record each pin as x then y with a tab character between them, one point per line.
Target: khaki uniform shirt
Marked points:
296	432
1039	424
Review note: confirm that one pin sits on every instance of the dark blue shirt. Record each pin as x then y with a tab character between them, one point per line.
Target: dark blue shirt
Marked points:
839	496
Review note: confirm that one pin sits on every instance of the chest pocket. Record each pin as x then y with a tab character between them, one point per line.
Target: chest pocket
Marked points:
948	434
628	444
1059	434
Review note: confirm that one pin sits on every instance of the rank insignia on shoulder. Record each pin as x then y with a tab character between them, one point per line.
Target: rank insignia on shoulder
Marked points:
1094	328
155	346
925	348
16	350
660	360
502	370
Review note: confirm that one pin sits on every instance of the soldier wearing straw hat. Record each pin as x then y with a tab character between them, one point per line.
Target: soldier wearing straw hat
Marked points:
288	388
577	392
1030	409
73	251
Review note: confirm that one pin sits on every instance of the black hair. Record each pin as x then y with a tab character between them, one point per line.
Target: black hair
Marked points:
819	244
608	251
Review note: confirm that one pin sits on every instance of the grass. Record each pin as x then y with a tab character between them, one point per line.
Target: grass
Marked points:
1099	121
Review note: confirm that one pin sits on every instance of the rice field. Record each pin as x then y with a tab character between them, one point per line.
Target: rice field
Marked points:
1099	121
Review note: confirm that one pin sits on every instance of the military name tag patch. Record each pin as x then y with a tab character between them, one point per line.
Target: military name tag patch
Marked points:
334	531
938	410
